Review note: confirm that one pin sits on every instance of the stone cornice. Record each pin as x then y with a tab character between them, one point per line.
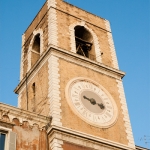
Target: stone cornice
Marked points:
31	71
22	115
86	62
6	124
73	58
140	148
69	135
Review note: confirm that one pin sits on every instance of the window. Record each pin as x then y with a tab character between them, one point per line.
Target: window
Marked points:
33	100
35	49
36	44
81	32
2	141
7	140
84	45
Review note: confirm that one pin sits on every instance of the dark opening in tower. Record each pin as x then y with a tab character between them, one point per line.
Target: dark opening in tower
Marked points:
36	43
83	39
35	50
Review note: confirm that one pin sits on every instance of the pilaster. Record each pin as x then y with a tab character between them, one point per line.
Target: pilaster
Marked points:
111	45
126	115
51	3
54	90
22	57
52	23
56	144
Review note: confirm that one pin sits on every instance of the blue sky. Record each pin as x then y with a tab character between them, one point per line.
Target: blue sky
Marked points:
130	23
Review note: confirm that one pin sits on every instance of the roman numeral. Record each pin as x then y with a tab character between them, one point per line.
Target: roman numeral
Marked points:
77	104
109	115
73	95
109	107
84	112
94	118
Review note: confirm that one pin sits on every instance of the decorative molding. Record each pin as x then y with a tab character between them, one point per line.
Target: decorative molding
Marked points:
11	113
22	57
52	23
39	31
95	39
54	90
6	127
56	144
83	139
86	62
72	38
29	59
35	32
126	115
34	52
71	57
140	148
111	45
42	62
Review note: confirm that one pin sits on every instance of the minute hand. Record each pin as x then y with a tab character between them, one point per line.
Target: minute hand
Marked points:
101	105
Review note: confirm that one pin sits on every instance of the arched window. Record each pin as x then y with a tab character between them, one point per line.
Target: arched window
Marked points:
35	48
84	42
36	44
35	55
80	30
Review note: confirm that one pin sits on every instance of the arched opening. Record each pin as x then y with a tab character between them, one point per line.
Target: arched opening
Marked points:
84	42
36	44
35	53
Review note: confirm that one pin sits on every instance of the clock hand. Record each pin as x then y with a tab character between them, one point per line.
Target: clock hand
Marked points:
101	105
93	102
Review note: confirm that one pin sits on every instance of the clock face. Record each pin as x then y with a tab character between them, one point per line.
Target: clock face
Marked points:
91	102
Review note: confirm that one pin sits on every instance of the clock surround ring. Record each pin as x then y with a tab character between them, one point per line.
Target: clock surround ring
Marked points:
111	121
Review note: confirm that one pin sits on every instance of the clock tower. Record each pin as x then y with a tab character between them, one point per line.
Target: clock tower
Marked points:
69	72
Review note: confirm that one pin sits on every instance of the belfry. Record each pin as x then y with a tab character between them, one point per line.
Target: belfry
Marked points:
70	95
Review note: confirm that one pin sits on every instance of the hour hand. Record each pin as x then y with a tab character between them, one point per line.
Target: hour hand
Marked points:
92	100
